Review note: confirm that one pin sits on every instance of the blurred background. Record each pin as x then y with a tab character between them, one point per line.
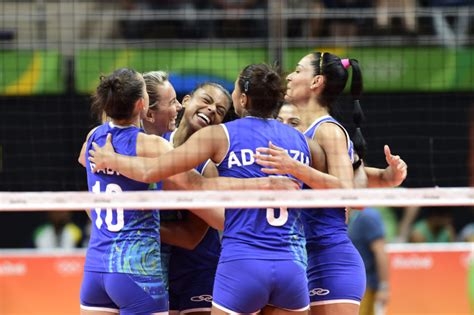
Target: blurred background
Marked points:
417	59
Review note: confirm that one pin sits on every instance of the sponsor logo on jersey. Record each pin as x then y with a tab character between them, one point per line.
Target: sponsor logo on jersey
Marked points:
319	291
202	298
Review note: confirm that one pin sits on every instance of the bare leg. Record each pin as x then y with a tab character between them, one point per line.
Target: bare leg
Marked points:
335	309
216	311
90	312
271	310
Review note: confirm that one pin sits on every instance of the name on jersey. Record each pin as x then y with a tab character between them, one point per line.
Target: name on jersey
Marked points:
107	171
245	157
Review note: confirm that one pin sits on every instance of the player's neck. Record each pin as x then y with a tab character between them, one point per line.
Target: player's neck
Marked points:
182	134
311	112
150	128
127	122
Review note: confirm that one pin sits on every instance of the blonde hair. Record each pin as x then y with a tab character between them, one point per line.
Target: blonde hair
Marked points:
152	80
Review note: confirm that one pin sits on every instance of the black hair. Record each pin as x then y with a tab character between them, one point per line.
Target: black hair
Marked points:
217	86
117	93
203	85
336	76
263	86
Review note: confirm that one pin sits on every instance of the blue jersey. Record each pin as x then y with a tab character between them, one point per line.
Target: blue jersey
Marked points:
326	227
121	241
205	255
261	233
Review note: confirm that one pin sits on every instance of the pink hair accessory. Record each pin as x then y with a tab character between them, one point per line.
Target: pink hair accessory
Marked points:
346	63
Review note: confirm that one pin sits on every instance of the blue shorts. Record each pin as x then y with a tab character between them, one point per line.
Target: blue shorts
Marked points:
129	294
336	275
192	292
248	285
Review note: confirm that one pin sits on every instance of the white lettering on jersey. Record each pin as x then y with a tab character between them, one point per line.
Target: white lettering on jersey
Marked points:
107	171
246	157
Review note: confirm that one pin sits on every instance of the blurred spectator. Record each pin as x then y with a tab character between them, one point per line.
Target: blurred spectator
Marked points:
186	25
305	27
134	29
59	232
366	230
347	27
241	27
435	227
467	233
408	8
408	217
454	32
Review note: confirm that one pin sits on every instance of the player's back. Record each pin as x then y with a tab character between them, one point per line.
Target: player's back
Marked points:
261	233
326	227
121	241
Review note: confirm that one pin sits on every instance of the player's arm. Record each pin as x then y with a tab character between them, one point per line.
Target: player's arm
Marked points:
214	217
82	155
391	176
200	146
277	161
192	231
82	160
333	141
210	142
186	234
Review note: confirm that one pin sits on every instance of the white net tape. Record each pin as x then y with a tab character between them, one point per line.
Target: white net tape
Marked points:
40	201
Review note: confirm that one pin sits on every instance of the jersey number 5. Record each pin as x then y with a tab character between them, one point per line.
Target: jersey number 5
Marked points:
110	188
282	218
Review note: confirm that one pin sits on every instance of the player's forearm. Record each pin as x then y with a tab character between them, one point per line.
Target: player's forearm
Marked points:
230	183
147	170
316	179
190	233
214	217
375	177
136	168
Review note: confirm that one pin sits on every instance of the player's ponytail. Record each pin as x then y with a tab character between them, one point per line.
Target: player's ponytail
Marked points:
360	145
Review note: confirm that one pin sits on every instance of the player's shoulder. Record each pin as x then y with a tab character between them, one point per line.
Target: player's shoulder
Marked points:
151	145
332	131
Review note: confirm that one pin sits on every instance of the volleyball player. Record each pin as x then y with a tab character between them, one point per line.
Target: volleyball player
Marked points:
289	115
122	272
192	272
335	270
262	260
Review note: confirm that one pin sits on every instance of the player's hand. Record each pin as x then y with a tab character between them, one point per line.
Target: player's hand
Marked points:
101	157
396	171
275	160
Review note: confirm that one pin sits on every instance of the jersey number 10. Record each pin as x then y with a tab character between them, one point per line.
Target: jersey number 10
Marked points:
110	188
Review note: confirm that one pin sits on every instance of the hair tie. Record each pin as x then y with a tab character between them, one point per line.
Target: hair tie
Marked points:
346	63
246	86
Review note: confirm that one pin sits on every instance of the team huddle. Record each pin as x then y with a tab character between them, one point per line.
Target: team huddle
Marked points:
273	261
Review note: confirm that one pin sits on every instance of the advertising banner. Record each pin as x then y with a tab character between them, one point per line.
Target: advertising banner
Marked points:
425	279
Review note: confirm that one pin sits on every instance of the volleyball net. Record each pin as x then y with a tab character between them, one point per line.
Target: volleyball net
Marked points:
333	198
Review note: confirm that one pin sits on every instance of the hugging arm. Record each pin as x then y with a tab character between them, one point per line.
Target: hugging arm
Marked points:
277	161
